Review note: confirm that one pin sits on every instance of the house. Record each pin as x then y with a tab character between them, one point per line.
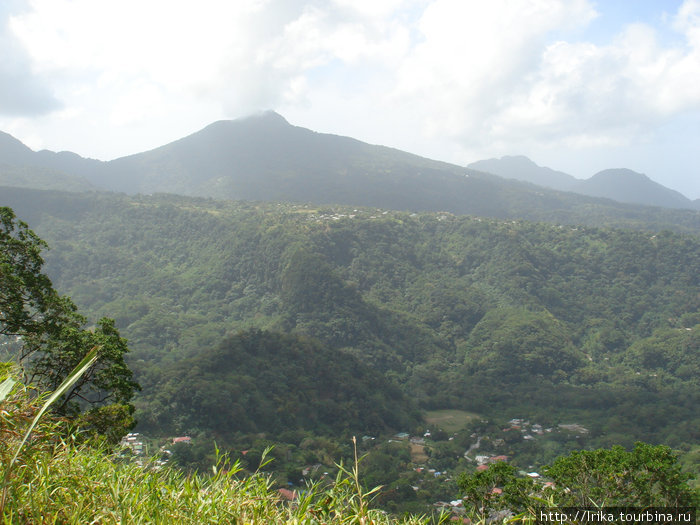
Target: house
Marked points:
481	459
575	427
133	443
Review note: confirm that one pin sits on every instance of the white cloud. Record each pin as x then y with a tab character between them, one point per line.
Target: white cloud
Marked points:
22	90
371	8
475	57
438	77
491	75
249	55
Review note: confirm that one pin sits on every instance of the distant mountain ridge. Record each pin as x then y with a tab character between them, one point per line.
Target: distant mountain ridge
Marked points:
625	185
621	184
521	168
263	157
22	167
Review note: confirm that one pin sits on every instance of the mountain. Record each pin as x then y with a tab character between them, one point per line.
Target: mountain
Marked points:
22	167
265	158
12	151
521	168
621	185
625	185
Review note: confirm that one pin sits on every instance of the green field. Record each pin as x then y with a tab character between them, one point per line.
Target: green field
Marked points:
449	420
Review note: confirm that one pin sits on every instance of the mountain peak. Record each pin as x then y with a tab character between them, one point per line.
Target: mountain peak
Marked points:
262	120
11	149
520	167
620	174
267	116
625	185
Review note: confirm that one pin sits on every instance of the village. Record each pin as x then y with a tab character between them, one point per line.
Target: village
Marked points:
428	462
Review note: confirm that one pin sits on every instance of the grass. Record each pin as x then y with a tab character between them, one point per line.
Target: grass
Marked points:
81	485
52	480
449	420
49	479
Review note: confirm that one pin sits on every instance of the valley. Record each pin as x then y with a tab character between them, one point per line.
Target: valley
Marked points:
299	326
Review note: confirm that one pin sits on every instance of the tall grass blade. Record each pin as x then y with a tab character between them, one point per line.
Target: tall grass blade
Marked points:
68	382
5	388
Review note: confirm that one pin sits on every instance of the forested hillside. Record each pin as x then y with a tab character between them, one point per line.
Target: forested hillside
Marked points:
263	381
510	317
265	158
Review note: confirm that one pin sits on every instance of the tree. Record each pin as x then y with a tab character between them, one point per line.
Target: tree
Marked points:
28	303
497	487
649	475
517	343
51	338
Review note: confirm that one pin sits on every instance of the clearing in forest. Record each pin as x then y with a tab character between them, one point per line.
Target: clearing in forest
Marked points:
449	420
418	455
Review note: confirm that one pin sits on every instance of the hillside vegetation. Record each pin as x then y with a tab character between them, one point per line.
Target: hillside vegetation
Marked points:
467	313
253	325
265	158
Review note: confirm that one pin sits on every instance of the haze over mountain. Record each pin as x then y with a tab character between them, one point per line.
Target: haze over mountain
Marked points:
22	167
625	185
263	157
521	168
622	185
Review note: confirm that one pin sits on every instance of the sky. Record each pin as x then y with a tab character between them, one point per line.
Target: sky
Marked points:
575	85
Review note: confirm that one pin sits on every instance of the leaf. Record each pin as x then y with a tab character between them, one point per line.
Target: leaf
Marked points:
77	372
6	387
68	382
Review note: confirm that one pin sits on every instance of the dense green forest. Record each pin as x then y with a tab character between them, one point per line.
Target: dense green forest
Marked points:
461	312
254	324
234	385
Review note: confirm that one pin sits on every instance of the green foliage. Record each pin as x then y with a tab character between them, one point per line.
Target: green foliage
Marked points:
48	328
647	476
83	485
513	343
498	487
108	381
29	306
58	481
673	351
438	304
261	381
68	383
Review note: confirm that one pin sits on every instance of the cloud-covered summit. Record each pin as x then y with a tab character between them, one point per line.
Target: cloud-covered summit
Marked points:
447	79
